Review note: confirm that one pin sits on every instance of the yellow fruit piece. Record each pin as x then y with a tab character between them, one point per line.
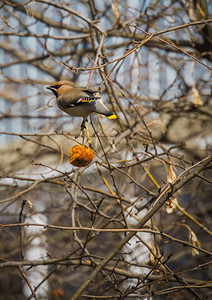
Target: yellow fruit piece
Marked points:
80	156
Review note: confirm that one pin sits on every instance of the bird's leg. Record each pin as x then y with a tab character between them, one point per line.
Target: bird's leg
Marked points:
83	126
82	129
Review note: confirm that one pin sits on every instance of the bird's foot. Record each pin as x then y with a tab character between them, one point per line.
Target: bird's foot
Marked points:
77	135
81	133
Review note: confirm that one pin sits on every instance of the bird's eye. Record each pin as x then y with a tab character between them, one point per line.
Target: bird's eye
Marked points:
56	87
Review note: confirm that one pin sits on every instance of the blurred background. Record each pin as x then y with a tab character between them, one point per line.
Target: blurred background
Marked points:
161	94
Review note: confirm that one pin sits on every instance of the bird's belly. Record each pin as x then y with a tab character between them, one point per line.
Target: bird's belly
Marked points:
82	110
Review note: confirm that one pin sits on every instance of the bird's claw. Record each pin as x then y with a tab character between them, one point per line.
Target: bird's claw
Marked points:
77	135
81	133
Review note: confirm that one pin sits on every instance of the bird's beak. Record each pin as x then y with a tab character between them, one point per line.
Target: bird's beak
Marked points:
51	88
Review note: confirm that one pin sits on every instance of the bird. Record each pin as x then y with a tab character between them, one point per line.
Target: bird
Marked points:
78	101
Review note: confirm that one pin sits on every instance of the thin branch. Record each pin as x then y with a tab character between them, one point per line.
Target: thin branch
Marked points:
164	196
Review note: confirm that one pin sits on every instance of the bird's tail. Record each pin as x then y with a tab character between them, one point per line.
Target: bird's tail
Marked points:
111	116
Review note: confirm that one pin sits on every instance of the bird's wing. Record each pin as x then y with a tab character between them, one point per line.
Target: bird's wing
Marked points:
90	92
86	99
77	97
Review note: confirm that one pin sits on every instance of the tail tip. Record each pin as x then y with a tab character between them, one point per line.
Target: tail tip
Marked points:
113	116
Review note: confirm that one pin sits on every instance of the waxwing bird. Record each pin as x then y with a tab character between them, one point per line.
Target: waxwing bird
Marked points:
79	102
